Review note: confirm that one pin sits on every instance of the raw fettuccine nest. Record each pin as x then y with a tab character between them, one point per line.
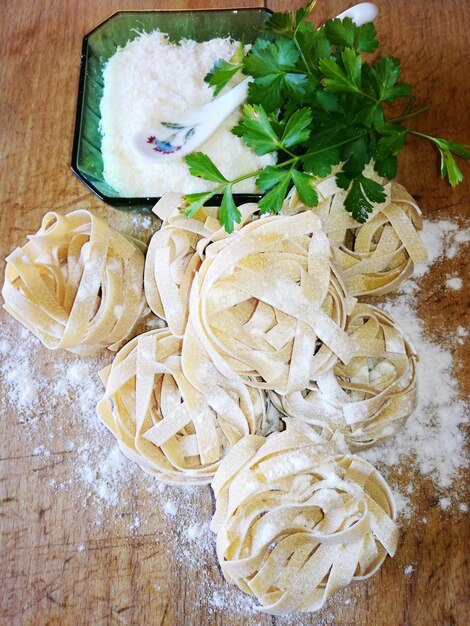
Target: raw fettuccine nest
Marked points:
371	397
162	422
76	284
268	306
376	257
296	520
175	254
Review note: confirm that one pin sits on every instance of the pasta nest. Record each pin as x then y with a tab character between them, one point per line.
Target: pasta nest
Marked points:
175	254
164	423
371	397
297	520
76	284
375	257
268	306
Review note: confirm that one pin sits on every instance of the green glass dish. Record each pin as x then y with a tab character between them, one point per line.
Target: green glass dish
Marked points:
102	42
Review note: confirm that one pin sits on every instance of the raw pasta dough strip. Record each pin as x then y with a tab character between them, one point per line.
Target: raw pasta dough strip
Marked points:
76	284
166	424
295	521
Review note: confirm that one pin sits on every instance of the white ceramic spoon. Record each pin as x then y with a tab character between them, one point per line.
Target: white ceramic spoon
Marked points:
173	140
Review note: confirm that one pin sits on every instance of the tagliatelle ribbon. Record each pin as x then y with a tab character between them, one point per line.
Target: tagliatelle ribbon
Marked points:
175	253
267	305
296	520
376	257
370	398
162	422
77	284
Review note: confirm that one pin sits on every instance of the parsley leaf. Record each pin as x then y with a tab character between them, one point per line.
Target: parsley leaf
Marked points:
228	213
272	201
358	154
340	32
362	193
274	67
267	92
256	130
297	128
392	143
305	188
345	34
286	24
223	71
320	164
194	201
449	167
201	165
269	177
271	58
345	77
387	166
383	77
366	38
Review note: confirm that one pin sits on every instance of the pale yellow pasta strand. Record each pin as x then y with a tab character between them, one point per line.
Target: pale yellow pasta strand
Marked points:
76	284
296	519
164	423
370	398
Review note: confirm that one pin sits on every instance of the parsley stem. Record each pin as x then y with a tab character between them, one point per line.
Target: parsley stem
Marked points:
418	134
304	60
319	151
409	116
292	161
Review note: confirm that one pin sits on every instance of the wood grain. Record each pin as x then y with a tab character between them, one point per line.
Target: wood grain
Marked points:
124	577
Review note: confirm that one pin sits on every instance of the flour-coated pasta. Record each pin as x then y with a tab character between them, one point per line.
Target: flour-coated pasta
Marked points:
76	284
162	422
268	306
297	520
376	257
176	252
370	398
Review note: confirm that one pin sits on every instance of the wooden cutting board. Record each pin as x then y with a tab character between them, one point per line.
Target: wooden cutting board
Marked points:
68	559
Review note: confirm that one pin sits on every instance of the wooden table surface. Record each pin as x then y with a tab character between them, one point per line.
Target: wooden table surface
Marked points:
59	564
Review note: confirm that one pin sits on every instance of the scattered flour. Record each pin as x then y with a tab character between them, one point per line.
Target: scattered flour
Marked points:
442	239
454	282
41	451
445	503
462	334
433	440
170	508
408	569
194	531
109	486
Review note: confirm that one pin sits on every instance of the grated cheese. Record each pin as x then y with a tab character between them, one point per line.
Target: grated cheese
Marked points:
152	80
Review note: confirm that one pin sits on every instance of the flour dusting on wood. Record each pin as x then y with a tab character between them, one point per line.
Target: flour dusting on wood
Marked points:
52	398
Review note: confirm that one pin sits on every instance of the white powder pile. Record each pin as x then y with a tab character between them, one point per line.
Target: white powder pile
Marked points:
433	439
442	239
152	80
454	282
21	379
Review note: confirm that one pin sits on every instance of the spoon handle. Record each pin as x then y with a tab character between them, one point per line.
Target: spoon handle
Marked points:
360	13
228	101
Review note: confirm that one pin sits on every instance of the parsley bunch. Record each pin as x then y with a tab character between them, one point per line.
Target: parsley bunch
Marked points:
317	103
